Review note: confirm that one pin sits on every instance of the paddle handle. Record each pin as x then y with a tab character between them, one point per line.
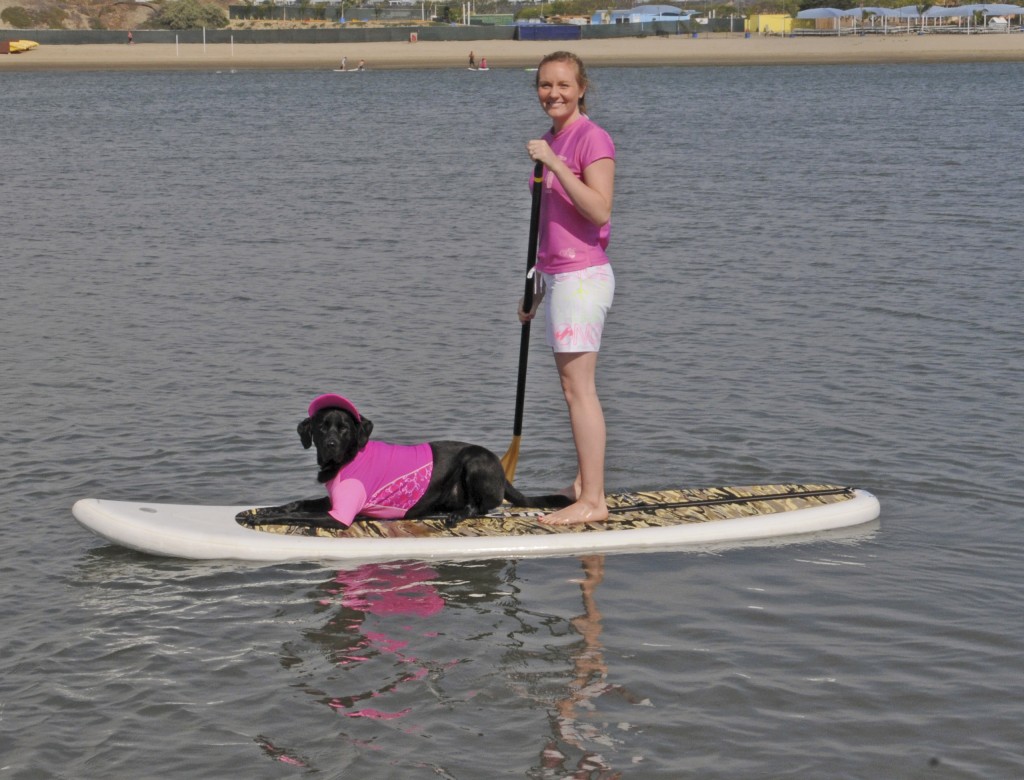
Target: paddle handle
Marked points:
531	261
531	251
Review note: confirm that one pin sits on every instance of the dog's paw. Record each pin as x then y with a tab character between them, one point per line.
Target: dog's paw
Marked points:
248	518
453	519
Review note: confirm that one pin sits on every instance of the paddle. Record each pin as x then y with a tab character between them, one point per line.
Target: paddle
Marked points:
511	458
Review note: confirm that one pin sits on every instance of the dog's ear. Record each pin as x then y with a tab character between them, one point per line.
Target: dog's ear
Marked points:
365	429
306	432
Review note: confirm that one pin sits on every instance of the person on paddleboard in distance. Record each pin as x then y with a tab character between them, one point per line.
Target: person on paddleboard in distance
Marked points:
575	283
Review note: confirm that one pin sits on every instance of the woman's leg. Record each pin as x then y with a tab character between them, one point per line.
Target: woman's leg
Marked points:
577	371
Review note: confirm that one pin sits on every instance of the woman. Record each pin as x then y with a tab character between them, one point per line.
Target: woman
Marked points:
576	282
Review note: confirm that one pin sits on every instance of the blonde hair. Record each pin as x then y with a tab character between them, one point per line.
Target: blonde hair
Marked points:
581	73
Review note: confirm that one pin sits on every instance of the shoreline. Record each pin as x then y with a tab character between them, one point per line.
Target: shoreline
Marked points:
712	49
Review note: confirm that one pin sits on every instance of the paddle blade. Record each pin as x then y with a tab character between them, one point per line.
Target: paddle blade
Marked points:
510	459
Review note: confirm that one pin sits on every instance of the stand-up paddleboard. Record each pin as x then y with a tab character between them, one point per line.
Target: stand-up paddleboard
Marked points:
649	520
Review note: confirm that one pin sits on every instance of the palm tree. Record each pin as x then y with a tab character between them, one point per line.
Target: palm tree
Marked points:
921	8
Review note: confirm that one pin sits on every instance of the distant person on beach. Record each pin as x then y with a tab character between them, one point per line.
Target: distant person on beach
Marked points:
576	283
472	60
361	65
131	39
483	63
344	63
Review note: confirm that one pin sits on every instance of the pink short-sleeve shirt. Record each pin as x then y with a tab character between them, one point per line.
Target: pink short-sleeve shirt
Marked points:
568	241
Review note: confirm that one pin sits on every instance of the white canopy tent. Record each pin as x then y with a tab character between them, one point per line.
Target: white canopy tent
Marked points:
910	12
822	13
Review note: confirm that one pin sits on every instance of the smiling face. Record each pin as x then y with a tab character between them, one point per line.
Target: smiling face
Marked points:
560	91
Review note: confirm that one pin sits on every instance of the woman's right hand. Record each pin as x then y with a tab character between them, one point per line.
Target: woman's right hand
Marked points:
540	151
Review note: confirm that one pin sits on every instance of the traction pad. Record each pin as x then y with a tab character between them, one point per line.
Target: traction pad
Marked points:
641	509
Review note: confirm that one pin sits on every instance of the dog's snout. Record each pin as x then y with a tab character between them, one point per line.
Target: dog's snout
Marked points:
333	442
336	435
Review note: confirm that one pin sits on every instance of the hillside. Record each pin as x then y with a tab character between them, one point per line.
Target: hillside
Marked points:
87	14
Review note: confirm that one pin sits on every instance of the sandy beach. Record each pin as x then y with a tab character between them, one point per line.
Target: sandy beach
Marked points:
720	49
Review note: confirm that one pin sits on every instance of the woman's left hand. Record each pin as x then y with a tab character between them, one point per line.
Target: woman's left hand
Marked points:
526	316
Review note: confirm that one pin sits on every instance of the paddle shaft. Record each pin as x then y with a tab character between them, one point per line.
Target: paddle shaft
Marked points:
531	261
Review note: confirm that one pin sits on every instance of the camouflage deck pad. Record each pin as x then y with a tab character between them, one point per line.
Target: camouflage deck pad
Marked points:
513	521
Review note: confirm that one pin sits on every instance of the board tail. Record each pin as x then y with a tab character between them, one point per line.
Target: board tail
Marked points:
550	501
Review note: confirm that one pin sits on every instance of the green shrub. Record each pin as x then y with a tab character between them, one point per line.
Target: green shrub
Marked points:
52	18
189	15
17	17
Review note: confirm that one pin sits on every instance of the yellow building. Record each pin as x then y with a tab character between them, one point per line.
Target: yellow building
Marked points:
769	24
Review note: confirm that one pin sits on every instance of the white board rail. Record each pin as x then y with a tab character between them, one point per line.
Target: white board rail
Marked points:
211	532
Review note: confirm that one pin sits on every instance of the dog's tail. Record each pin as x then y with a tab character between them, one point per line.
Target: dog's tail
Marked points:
552	501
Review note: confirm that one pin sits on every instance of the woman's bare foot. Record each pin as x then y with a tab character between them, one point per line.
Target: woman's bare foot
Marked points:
578	513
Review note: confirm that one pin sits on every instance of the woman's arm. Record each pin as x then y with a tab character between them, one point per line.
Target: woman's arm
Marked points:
592	195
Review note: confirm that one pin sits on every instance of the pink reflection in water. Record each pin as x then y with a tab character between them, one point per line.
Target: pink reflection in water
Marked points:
378	715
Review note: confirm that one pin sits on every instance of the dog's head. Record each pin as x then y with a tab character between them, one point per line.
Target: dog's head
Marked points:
338	436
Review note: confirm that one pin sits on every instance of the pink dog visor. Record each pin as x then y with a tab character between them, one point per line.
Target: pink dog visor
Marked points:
332	401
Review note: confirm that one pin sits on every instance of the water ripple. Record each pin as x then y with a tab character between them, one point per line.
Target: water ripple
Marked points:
815	282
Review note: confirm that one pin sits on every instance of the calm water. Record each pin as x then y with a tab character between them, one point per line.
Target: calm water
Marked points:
819	277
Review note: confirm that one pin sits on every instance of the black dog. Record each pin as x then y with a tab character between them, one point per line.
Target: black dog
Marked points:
466	480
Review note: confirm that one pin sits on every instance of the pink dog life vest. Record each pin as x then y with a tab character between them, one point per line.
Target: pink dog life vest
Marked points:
383	481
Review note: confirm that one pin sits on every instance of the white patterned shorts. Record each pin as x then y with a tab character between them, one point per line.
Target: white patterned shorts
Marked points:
576	304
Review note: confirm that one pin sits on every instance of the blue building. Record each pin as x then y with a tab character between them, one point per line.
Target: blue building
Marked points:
642	13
